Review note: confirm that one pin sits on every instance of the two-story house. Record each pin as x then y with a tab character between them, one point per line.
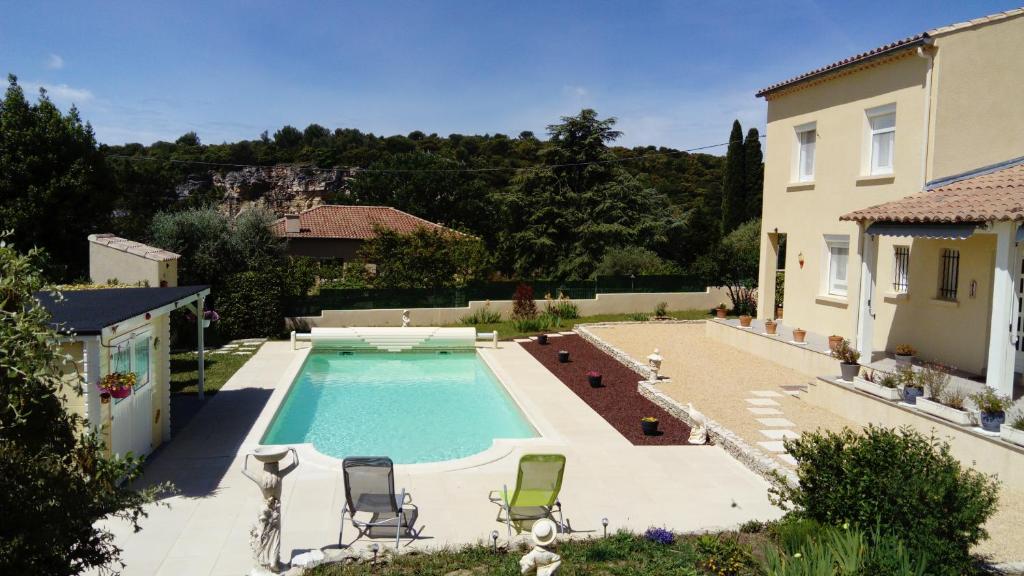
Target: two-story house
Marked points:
895	180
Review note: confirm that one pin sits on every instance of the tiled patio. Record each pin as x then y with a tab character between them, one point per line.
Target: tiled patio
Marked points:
205	528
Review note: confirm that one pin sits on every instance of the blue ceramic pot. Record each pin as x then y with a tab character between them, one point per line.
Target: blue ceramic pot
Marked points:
910	395
991	421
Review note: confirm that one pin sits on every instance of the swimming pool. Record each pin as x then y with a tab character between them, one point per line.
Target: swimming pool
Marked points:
410	406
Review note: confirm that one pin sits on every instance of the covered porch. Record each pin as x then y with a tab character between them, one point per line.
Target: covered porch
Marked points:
943	271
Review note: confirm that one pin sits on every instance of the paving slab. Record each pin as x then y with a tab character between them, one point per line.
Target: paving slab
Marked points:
779	434
776	422
773	446
761	402
765	411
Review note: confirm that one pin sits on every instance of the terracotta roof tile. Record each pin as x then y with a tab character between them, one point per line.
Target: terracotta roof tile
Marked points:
990	194
353	222
132	247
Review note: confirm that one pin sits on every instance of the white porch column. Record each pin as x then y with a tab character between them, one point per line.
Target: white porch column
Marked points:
866	313
201	381
1001	352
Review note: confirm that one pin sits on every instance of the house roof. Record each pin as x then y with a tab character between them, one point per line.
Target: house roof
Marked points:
886	50
353	222
132	247
993	193
90	311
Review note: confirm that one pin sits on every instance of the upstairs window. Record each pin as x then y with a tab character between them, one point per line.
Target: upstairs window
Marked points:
882	127
837	256
806	137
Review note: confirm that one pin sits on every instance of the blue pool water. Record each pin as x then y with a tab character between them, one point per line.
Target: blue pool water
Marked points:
410	406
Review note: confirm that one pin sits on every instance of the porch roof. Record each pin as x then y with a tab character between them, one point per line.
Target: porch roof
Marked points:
989	194
90	311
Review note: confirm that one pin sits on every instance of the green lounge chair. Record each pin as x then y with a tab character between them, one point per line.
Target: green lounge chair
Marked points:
535	495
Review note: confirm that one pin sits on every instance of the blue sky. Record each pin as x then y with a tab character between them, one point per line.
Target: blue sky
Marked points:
674	73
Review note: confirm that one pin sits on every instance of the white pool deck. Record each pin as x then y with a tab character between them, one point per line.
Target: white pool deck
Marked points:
204	529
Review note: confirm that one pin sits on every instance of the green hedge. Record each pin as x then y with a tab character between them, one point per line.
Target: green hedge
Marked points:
250	304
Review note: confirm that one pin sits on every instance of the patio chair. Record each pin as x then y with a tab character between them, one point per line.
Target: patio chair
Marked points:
535	495
370	489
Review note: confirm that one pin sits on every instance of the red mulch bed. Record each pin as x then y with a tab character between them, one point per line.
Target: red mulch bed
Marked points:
618	400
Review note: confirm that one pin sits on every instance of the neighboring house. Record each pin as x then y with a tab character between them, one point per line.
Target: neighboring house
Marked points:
122	330
337	232
117	260
895	180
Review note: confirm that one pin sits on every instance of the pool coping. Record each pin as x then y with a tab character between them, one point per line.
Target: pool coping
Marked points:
500	447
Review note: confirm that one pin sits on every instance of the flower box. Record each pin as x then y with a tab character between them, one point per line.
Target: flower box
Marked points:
1011	434
876	389
948	413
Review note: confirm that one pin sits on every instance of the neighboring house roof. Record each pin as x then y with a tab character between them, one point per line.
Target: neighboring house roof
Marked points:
90	311
353	222
886	50
132	247
993	193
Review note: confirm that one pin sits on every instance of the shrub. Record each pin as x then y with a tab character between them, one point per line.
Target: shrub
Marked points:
793	532
623	261
660	536
908	483
989	401
954	398
481	316
523	305
934	381
846	353
639	317
251	304
541	323
1018	422
845	551
661	310
723	556
562	308
906	350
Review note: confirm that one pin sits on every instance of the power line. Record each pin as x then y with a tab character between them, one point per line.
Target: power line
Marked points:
356	169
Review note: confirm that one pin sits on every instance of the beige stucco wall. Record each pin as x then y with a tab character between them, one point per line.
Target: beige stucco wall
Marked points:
806	212
603	304
107	264
979	119
72	375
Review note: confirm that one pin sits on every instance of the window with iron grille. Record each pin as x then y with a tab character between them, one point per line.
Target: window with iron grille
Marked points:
901	269
948	282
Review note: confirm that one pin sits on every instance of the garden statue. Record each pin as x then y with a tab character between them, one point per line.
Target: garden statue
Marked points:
654	363
405	319
699	430
265	536
541	559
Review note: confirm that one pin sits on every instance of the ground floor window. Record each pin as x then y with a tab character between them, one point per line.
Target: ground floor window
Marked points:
949	279
132	354
837	257
901	269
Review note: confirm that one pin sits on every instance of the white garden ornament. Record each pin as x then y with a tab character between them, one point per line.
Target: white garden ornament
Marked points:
699	431
405	319
265	536
541	559
654	363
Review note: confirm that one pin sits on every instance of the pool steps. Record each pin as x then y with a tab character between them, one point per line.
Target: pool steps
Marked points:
392	339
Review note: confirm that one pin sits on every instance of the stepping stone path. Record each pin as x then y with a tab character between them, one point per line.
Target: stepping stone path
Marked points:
777	428
245	347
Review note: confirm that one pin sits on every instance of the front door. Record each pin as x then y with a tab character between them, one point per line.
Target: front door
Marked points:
131	417
1018	334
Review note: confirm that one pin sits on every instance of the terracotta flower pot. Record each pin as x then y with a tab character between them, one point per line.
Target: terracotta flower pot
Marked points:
770	327
799	335
745	320
720	312
120	393
834	342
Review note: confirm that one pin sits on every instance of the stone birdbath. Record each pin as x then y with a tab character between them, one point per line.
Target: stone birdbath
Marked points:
265	536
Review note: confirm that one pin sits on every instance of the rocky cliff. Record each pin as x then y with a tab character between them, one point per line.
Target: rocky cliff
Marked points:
282	189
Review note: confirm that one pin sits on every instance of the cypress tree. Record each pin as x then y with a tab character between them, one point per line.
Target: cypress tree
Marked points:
754	166
734	182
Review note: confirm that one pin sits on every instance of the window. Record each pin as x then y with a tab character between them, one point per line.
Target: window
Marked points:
882	127
806	137
837	256
950	279
140	359
901	269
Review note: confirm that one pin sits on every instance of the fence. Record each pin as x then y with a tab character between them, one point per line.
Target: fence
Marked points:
390	298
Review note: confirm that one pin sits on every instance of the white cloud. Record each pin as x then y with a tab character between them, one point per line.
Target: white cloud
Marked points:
61	93
54	62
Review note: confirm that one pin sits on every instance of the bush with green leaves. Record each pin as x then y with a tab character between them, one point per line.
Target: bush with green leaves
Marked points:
636	260
562	308
905	481
56	481
484	315
843	551
734	264
250	305
425	258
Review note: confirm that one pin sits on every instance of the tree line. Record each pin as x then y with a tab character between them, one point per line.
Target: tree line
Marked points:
566	206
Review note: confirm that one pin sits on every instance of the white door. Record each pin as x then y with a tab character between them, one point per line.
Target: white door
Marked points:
1018	364
131	417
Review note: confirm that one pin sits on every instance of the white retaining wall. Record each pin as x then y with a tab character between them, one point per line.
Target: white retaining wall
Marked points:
603	304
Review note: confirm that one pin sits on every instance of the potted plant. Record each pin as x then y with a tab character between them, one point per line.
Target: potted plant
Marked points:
848	357
594	378
721	310
542	339
563	356
834	341
905	354
118	384
649	425
661	311
992	407
210	316
883	386
1014	432
940	400
770	326
745	320
912	388
798	335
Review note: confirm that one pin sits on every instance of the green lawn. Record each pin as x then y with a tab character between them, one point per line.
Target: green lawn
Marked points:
506	329
219	368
